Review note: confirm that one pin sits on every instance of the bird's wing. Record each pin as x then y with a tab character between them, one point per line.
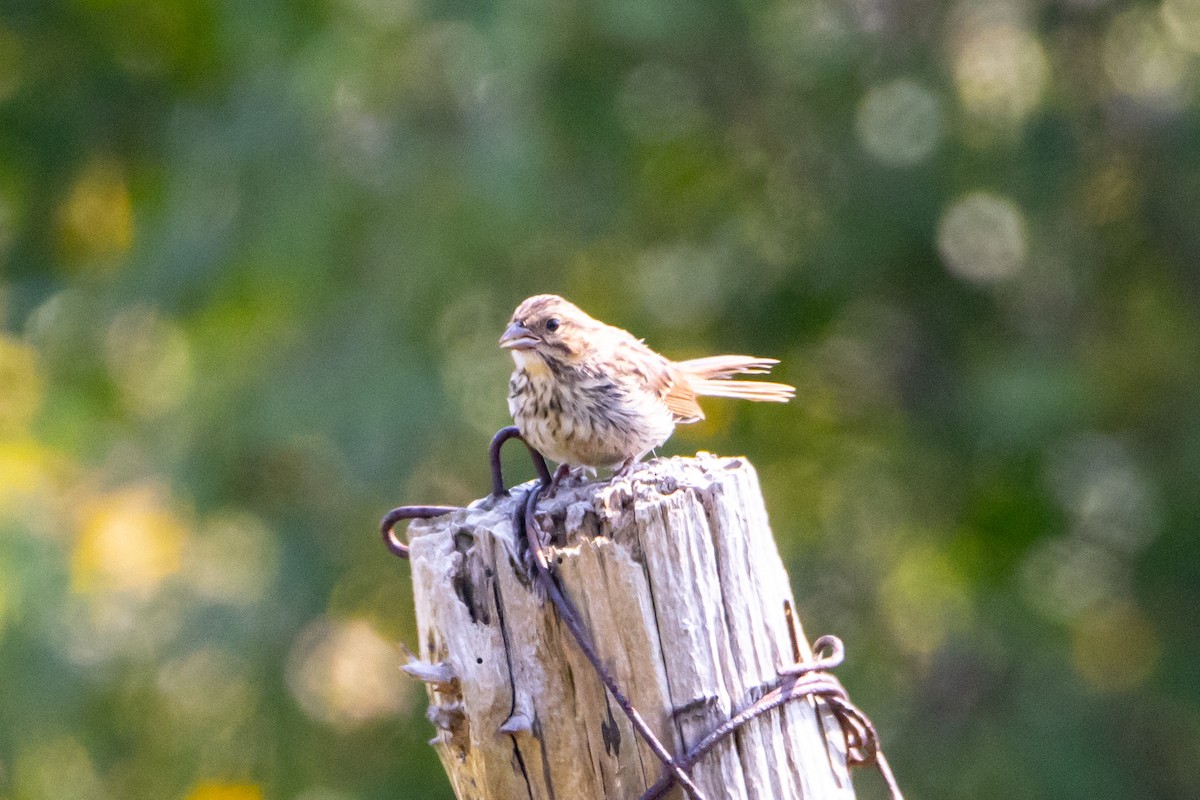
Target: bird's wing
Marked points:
660	376
681	400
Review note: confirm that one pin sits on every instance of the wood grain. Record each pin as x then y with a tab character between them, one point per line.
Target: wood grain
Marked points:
676	574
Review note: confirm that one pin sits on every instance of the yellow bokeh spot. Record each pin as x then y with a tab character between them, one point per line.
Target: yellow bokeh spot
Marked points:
129	541
96	220
210	790
1142	60
1182	18
343	673
56	767
924	599
1000	72
22	383
1115	648
25	470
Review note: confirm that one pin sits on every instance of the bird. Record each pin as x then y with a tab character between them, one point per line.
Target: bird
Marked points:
590	395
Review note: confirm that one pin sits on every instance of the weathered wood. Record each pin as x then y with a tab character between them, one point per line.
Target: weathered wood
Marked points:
676	574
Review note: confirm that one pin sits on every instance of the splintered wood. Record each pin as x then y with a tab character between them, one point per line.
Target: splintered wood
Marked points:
677	576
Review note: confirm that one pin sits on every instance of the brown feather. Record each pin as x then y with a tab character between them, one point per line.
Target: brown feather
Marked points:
710	377
762	391
680	398
726	366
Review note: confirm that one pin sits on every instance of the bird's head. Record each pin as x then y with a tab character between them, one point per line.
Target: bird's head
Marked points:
548	326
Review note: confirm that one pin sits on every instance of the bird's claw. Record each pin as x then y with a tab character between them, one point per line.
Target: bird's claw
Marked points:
626	468
562	473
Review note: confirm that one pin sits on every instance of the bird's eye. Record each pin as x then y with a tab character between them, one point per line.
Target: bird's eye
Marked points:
552	324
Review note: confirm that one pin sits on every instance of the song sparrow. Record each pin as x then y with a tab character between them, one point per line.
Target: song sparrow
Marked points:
586	394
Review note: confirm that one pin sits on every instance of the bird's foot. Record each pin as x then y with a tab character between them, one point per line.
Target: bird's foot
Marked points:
560	474
564	474
626	468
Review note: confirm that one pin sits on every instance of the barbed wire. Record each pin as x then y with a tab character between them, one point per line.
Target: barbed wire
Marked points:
800	680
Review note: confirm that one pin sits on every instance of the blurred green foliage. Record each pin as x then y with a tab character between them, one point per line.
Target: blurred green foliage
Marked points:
256	256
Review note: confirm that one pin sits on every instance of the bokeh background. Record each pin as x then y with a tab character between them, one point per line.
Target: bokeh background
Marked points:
256	256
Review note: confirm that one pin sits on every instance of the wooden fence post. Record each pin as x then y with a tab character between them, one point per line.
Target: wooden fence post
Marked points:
676	574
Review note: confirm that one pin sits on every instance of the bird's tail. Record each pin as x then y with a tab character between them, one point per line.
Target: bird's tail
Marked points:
711	376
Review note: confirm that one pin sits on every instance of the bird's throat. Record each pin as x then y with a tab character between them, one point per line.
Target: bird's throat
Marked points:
533	364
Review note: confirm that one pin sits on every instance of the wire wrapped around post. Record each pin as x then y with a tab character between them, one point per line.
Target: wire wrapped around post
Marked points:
799	680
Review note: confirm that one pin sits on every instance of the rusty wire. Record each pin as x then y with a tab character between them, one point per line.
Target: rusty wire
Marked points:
802	679
796	682
387	526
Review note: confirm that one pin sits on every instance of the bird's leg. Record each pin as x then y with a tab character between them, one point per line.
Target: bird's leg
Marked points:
628	464
626	467
559	474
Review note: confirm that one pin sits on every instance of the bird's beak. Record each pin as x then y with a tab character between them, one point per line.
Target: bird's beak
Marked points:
518	337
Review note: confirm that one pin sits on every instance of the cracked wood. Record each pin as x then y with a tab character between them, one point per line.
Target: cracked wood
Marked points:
676	574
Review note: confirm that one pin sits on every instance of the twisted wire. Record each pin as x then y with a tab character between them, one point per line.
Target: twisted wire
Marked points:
800	680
